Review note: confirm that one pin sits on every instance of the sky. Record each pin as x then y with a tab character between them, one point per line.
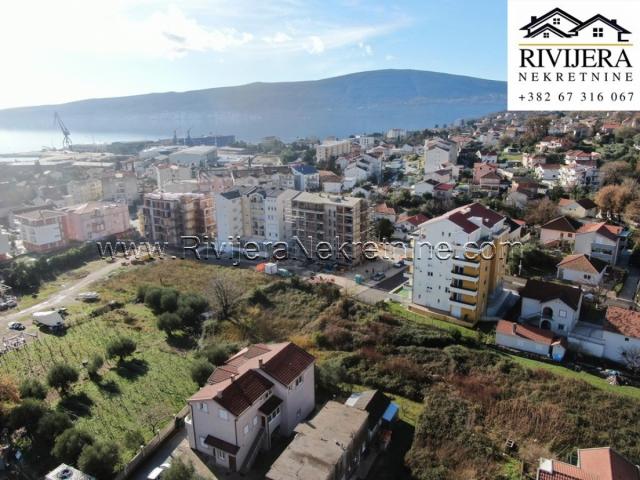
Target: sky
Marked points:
65	50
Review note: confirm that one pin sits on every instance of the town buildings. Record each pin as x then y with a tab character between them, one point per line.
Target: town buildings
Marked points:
96	220
167	217
262	391
317	217
460	281
439	153
201	155
593	464
120	186
42	230
332	148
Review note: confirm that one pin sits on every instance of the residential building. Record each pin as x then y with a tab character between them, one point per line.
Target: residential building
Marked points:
96	220
306	178
382	210
548	173
330	182
600	240
167	217
328	447
276	205
439	153
481	169
201	155
583	175
582	208
530	339
316	217
365	141
396	134
559	231
86	190
593	464
530	160
444	191
410	223
120	186
66	472
426	187
364	167
42	230
550	306
487	156
167	173
460	281
380	409
262	391
582	269
5	245
621	333
332	148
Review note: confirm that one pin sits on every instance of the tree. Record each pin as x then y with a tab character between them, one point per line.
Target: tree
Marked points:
133	440
154	416
169	322
200	371
121	347
169	300
153	298
606	199
100	459
8	390
180	470
614	172
27	415
226	294
33	388
632	211
61	376
69	444
384	229
541	211
632	358
51	425
94	365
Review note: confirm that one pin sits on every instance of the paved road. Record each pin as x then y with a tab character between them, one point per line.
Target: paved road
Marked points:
62	297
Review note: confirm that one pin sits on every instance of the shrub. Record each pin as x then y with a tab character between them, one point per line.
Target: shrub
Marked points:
33	388
133	440
153	298
180	470
169	300
61	376
218	354
51	425
100	459
121	347
69	444
141	292
200	371
27	415
94	365
169	322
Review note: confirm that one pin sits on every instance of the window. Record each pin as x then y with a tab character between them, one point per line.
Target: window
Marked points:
299	380
255	420
246	429
598	32
626	339
220	454
223	414
203	407
561	326
202	442
545	34
556	21
563	313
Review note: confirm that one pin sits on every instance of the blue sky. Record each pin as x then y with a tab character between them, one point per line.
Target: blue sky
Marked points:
75	49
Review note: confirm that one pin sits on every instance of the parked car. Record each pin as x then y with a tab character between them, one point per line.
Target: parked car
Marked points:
88	296
378	276
157	472
16	326
399	264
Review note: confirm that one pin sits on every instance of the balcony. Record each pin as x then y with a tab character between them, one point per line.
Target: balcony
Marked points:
455	275
465	262
464	290
461	303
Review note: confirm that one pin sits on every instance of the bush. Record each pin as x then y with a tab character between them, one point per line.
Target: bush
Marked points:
169	300
180	470
218	354
100	459
33	388
121	347
200	371
27	415
94	365
169	322
61	376
69	444
141	292
133	440
153	298
51	425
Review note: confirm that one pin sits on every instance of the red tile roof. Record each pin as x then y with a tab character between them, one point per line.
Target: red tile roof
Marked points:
604	229
623	322
243	391
593	464
582	263
563	224
545	337
545	291
445	187
288	364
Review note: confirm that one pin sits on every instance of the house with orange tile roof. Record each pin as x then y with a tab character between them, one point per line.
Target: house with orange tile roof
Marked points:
600	240
582	208
582	269
593	464
621	334
262	391
530	339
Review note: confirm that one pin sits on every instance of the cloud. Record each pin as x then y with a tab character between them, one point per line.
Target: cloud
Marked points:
277	38
389	57
366	48
315	45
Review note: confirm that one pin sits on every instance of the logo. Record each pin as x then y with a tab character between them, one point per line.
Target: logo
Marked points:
573	55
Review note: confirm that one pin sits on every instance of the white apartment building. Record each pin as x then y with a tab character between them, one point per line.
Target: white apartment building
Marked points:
42	230
253	213
579	175
438	154
459	281
167	173
81	191
365	142
120	186
332	148
261	392
364	167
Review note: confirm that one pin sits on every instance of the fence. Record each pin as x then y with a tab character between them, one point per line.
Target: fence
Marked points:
155	443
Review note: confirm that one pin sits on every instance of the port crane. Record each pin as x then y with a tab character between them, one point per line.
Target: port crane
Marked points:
66	142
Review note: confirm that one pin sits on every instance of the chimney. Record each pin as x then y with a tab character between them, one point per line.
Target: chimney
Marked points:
259	363
233	378
533	19
514	327
614	21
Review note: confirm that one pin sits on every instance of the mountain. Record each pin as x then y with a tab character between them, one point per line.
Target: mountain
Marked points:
358	102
